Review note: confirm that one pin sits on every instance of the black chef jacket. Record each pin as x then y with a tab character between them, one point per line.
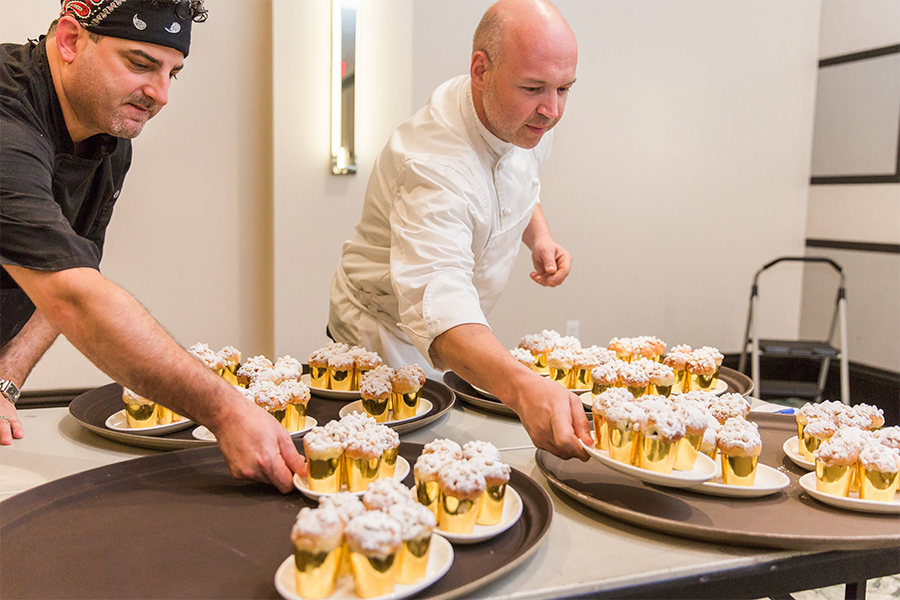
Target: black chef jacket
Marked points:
54	206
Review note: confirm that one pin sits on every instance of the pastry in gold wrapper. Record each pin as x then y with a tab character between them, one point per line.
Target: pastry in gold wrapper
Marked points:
461	485
324	458
696	421
382	494
624	420
496	477
622	347
426	470
583	363
251	369
660	435
739	446
375	391
297	395
728	406
524	356
416	526
677	359
139	412
560	364
661	379
406	391
317	537
231	359
374	540
540	346
814	434
701	371
717	357
601	404
648	347
604	377
362	459
364	361
347	505
341	368
634	379
835	465
879	472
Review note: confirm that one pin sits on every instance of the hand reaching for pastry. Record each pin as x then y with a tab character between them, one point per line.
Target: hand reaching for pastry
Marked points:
256	446
554	418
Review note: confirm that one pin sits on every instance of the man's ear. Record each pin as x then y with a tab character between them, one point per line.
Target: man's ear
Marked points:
477	70
68	32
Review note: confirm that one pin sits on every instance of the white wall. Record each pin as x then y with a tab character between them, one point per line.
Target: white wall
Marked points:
868	213
191	234
681	166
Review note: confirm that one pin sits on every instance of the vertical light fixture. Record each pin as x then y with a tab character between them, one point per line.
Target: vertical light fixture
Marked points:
343	86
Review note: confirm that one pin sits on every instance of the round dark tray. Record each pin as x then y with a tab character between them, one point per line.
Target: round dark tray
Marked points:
178	525
789	518
738	383
92	408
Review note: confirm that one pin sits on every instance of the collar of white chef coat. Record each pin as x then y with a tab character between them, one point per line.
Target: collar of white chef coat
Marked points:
496	146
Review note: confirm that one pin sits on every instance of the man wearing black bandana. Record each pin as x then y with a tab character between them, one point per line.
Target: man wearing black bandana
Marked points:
69	105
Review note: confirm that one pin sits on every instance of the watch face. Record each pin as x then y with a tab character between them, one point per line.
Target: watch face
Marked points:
10	390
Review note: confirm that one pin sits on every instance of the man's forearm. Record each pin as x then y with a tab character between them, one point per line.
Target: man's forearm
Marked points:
118	335
19	356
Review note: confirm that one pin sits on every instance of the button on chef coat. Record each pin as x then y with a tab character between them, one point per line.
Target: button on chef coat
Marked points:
444	213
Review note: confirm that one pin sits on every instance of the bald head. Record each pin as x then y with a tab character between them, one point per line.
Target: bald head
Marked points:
523	64
508	24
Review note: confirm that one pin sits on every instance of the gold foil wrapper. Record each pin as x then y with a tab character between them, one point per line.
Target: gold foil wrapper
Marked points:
876	485
581	379
540	363
739	470
413	558
318	377
377	409
623	444
357	376
316	573
139	416
688	449
491	509
599	388
637	390
715	379
701	383
296	417
388	463
405	405
428	493
656	455
601	432
809	445
341	379
373	576
457	515
229	374
682	381
361	472
800	429
164	416
834	479
324	474
660	390
282	415
561	376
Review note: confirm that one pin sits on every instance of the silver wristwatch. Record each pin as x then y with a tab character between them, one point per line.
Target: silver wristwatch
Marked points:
9	390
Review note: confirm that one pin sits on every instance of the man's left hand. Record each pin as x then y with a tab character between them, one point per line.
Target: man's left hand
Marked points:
10	426
551	262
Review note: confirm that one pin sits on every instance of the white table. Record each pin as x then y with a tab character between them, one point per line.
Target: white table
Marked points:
584	553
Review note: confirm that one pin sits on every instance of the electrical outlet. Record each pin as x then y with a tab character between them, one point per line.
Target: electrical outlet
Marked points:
573	328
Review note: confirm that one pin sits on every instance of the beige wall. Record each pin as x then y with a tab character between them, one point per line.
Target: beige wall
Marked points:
681	166
857	213
191	234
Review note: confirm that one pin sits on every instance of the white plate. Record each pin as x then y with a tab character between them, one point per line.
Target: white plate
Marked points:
768	481
330	394
302	483
587	397
704	470
425	407
790	449
512	510
485	393
118	422
808	482
203	434
440	559
721	388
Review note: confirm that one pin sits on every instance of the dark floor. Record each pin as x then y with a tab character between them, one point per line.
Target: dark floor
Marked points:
867	385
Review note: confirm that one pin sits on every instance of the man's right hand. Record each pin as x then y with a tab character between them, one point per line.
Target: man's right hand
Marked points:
256	446
553	416
10	427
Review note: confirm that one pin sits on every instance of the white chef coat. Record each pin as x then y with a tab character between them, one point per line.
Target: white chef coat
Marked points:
444	213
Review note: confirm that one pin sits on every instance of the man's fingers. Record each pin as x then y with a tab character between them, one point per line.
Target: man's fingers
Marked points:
6	437
293	459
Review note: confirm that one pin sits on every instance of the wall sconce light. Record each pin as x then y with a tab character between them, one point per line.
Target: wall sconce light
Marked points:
343	86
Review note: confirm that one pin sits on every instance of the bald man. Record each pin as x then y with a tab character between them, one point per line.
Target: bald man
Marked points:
452	196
